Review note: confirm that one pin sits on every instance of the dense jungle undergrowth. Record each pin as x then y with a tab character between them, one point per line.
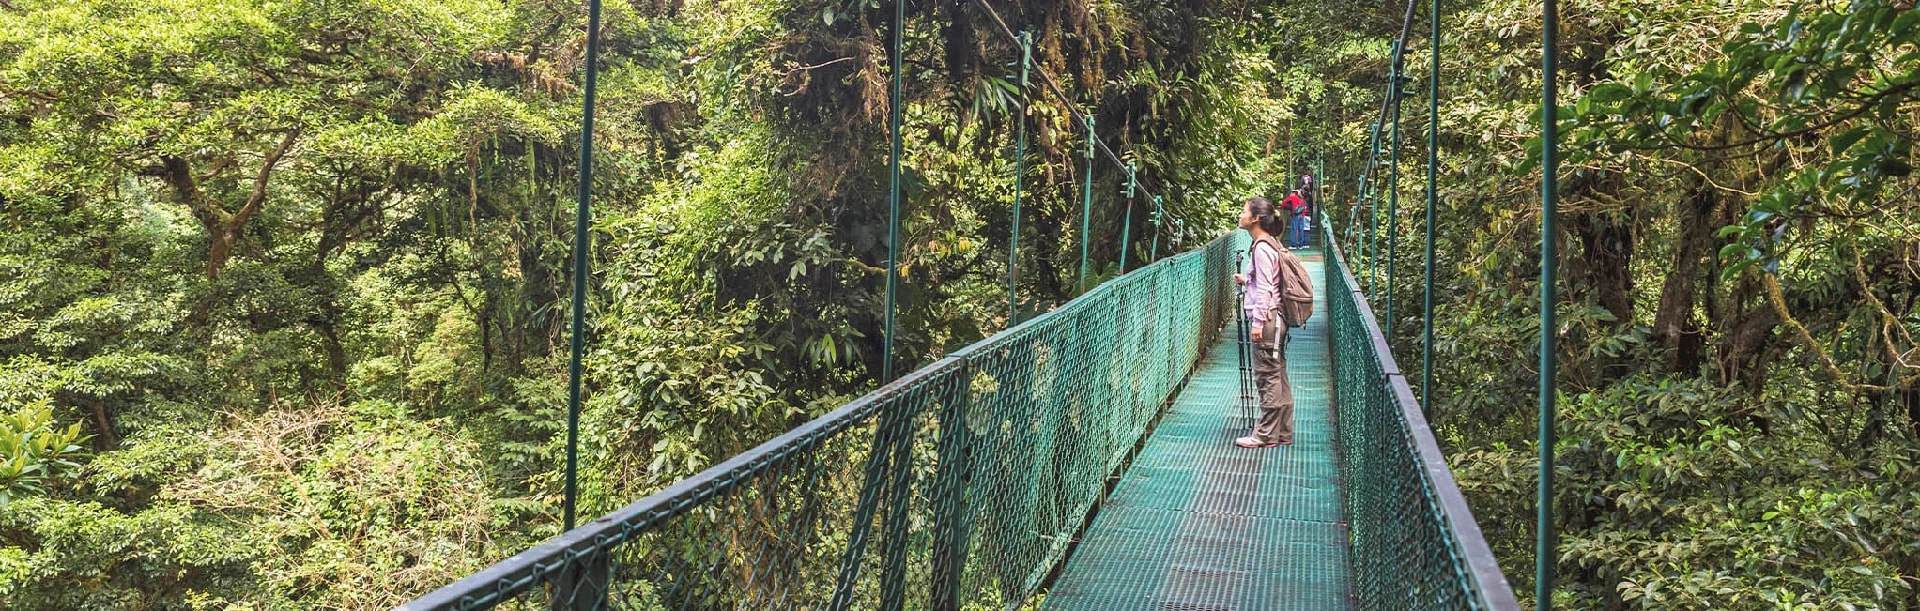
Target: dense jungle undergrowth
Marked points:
283	284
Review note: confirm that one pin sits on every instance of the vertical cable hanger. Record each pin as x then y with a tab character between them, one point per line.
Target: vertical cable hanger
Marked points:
1544	555
1393	191
1086	204
893	192
1126	226
1049	84
1155	254
1019	182
582	242
1368	196
1433	198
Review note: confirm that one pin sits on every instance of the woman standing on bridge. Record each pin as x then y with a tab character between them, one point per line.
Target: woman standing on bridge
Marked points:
1269	332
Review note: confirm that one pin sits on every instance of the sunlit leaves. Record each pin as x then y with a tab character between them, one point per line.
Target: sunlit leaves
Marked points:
34	449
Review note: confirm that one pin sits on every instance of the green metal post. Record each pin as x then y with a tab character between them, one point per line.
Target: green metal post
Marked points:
582	584
1019	183
1353	214
1157	212
582	243
1544	556
894	557
1126	225
1289	180
1370	248
1373	199
1373	242
1361	228
889	439
1393	202
1320	190
893	193
1364	239
954	453
1086	207
1433	199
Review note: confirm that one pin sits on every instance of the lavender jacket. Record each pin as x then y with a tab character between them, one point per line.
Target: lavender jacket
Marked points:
1263	294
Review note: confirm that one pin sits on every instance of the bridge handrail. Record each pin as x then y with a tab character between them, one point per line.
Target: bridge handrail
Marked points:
522	571
1382	570
922	469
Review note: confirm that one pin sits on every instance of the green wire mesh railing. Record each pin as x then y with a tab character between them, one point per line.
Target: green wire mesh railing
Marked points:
958	485
1415	543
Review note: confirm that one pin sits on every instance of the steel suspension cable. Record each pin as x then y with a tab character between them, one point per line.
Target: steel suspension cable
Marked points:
1373	199
1393	196
1363	193
1319	183
1433	198
1369	186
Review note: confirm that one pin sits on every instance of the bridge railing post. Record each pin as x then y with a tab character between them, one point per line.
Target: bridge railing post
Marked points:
952	530
887	435
894	538
582	585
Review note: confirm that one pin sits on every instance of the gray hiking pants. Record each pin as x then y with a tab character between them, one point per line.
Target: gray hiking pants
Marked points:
1270	376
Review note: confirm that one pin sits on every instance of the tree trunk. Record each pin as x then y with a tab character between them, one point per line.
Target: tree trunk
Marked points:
1910	396
223	228
1675	329
328	324
108	440
1607	258
1748	327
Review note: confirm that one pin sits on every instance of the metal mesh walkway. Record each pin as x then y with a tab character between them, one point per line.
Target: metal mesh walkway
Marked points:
1198	524
959	485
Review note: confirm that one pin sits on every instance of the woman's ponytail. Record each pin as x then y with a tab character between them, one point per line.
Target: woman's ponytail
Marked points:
1263	213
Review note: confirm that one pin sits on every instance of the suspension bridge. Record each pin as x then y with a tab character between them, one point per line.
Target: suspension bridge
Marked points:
1082	459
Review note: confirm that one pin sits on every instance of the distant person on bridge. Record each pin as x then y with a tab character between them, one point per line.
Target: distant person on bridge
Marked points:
1269	332
1295	207
1308	193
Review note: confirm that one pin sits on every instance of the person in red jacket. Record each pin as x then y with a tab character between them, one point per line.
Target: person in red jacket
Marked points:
1296	209
1312	196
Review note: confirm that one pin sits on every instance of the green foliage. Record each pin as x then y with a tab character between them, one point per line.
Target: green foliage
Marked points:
353	505
1691	509
298	270
1741	407
1741	410
34	450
